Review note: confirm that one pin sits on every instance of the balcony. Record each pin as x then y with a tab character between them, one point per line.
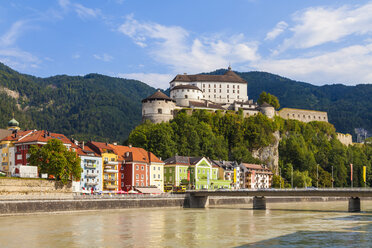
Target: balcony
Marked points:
90	166
91	184
110	162
110	179
90	175
110	170
110	186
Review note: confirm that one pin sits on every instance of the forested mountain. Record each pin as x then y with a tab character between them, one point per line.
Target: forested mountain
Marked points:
106	108
89	107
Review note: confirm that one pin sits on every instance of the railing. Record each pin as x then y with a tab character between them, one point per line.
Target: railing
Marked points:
90	166
110	179
110	162
91	175
110	170
110	186
91	183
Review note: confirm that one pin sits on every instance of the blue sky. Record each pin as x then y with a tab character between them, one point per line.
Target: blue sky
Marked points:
319	42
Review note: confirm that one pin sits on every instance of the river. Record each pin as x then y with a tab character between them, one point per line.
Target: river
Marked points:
281	225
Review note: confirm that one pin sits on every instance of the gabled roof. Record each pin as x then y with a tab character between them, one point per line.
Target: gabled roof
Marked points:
183	160
135	154
99	147
228	77
16	135
206	104
226	165
158	95
43	136
86	151
4	133
256	167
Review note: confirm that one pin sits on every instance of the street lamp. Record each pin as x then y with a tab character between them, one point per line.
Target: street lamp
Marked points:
292	176
317	175
280	177
332	176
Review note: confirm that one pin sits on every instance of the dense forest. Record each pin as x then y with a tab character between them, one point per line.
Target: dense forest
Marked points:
303	146
90	107
107	109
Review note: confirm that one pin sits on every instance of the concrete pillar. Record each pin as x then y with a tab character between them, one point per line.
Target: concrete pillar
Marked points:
259	202
354	204
198	201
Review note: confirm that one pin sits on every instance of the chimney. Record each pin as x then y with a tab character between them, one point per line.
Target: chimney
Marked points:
115	143
130	145
82	145
184	73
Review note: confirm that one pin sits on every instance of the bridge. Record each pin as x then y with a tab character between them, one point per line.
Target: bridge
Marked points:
200	199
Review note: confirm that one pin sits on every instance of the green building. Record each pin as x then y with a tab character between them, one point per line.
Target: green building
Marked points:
193	172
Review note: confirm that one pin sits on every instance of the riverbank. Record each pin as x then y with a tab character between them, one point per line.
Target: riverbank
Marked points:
82	203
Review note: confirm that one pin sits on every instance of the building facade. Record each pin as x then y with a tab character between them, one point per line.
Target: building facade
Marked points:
91	165
303	115
193	172
110	172
257	176
138	168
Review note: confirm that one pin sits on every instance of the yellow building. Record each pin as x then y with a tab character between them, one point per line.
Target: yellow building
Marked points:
110	173
12	135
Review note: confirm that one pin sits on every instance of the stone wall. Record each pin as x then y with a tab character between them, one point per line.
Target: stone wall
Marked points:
9	187
345	139
303	114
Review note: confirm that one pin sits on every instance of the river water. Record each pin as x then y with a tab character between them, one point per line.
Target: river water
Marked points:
281	225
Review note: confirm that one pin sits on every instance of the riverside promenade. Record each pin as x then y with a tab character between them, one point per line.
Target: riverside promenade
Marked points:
200	199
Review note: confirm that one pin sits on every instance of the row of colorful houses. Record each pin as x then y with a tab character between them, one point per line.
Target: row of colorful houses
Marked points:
116	168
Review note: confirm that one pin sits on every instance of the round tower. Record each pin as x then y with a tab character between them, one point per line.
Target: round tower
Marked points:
183	94
158	108
267	110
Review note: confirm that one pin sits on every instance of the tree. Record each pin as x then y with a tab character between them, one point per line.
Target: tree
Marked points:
268	98
55	159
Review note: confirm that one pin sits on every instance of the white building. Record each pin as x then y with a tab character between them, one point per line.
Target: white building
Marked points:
91	164
201	91
257	176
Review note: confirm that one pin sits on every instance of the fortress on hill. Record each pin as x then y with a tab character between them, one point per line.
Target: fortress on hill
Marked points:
219	92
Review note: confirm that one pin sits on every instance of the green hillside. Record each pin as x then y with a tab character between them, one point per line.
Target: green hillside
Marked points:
89	107
106	108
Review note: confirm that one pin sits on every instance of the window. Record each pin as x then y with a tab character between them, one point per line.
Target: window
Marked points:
142	177
154	176
214	90
227	86
186	96
142	184
203	171
233	86
184	170
137	167
220	90
137	176
141	167
137	184
159	168
238	86
199	171
209	85
122	176
154	168
122	184
160	111
220	85
159	176
180	170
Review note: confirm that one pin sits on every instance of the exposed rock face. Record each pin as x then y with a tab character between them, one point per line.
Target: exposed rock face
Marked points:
269	154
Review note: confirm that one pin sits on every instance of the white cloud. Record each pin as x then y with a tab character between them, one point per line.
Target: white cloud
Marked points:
10	37
104	57
173	46
64	3
320	25
348	65
85	13
18	59
153	79
277	30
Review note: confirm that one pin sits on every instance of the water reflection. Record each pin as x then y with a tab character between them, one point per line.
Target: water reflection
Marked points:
292	224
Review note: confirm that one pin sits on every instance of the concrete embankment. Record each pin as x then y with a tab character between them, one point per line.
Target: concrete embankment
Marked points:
88	203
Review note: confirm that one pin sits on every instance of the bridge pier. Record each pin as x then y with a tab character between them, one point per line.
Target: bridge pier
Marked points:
259	202
354	204
198	201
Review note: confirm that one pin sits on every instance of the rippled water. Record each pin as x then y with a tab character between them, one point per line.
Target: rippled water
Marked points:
282	225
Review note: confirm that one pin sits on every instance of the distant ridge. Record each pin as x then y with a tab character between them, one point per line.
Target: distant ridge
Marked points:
106	108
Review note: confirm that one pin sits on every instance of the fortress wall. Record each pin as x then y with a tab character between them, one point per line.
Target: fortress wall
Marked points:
150	110
303	115
345	139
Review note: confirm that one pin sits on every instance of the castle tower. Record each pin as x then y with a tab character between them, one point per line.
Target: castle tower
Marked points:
158	108
185	93
267	110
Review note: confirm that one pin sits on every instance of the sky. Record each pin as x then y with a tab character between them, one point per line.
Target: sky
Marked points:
319	41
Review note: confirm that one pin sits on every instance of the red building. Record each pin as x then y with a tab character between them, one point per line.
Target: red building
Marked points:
39	138
134	166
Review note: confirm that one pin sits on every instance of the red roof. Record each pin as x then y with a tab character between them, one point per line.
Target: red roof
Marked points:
86	151
44	136
99	147
17	136
134	154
